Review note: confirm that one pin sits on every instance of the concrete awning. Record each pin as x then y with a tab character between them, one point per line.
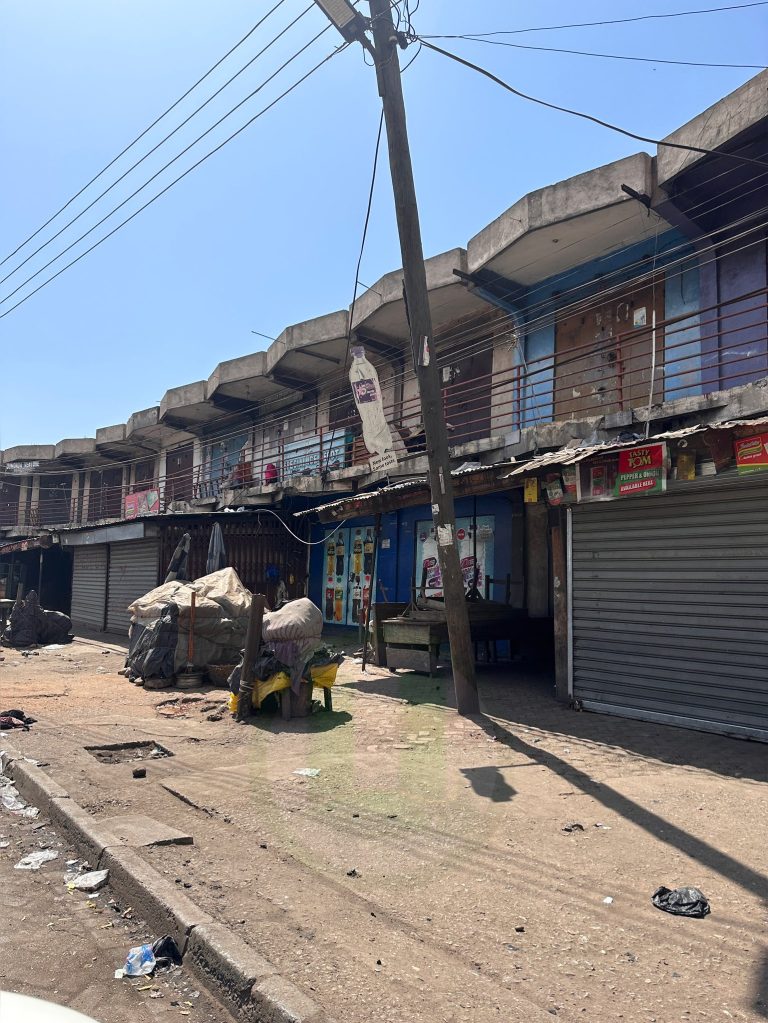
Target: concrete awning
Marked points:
380	311
565	225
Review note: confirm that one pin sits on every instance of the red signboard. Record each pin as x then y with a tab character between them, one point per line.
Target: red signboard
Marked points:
143	502
641	470
752	453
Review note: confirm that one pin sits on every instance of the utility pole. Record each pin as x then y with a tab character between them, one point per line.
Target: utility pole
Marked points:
424	355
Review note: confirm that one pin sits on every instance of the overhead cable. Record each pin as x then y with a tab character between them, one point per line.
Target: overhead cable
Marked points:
141	135
590	117
175	180
611	21
609	56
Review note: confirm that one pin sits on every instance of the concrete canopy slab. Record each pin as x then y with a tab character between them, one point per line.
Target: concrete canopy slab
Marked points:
309	351
139	830
721	123
564	225
28	453
381	309
75	447
187	407
241	383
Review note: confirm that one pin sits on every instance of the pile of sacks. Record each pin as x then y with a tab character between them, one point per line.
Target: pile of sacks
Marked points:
161	619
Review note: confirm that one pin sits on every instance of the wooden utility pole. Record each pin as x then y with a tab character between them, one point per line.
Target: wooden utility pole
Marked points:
424	354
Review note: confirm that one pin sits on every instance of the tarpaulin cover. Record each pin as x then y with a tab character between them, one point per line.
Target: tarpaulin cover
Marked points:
222	608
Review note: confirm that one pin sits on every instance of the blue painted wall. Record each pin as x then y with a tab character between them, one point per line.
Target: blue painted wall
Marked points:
396	563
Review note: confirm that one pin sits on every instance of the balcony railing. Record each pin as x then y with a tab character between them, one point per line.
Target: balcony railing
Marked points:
696	353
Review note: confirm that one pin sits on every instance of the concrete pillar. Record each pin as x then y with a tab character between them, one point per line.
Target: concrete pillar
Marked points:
537	560
505	410
21	511
35	500
161	470
86	497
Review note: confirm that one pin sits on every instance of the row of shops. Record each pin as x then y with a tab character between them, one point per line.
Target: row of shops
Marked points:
641	567
649	560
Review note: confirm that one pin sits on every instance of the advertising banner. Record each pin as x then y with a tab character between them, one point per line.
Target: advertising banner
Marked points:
143	502
752	453
641	470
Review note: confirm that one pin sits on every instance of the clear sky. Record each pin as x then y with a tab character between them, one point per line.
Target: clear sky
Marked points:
266	232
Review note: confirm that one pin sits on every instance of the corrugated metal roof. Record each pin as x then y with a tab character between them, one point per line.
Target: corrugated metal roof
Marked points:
529	466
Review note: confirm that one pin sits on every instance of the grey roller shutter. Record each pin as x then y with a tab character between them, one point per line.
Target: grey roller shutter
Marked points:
89	587
133	567
670	608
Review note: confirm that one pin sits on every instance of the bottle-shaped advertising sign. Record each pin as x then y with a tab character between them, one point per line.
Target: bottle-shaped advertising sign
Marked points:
368	399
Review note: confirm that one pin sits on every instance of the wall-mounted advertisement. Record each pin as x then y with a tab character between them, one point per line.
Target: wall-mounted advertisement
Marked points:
143	502
475	540
311	455
751	453
349	575
627	473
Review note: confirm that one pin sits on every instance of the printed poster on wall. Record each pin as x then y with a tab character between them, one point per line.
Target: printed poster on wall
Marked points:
751	453
475	544
349	576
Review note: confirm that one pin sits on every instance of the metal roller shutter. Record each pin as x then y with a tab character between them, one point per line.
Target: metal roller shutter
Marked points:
670	608
89	587
133	568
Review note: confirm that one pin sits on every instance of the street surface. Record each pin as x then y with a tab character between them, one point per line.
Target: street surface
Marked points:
65	946
425	873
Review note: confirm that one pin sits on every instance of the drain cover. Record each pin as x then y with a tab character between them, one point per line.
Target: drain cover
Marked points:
124	752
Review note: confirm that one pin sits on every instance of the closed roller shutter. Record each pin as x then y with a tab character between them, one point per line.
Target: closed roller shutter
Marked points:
132	573
670	608
89	587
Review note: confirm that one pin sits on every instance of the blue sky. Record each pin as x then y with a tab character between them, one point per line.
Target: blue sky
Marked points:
266	232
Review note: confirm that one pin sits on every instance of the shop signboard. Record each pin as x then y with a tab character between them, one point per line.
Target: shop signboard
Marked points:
751	453
641	470
310	456
142	502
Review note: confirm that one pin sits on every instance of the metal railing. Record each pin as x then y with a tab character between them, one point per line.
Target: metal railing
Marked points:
696	353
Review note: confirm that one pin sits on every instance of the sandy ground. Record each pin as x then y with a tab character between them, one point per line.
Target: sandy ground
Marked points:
468	900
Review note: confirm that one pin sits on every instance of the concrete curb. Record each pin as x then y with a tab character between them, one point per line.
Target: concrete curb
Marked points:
248	985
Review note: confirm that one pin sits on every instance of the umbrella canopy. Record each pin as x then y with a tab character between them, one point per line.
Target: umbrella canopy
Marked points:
217	554
177	569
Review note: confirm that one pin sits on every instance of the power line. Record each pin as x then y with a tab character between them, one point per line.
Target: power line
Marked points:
590	117
165	167
146	156
612	21
609	56
469	332
143	133
360	259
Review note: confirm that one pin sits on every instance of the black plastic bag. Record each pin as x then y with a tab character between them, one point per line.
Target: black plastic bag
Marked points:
154	653
681	901
166	953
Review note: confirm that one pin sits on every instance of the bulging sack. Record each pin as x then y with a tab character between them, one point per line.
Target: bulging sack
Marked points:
297	620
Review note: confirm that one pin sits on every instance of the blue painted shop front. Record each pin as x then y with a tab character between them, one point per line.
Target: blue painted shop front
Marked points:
489	530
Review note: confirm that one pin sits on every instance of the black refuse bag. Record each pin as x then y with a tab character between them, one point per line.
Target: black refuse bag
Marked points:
265	666
55	628
166	953
681	901
154	653
25	622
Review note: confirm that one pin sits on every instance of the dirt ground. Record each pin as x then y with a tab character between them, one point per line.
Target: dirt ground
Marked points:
64	946
424	874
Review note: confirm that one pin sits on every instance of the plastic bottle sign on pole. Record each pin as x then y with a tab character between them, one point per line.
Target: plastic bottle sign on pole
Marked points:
368	399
